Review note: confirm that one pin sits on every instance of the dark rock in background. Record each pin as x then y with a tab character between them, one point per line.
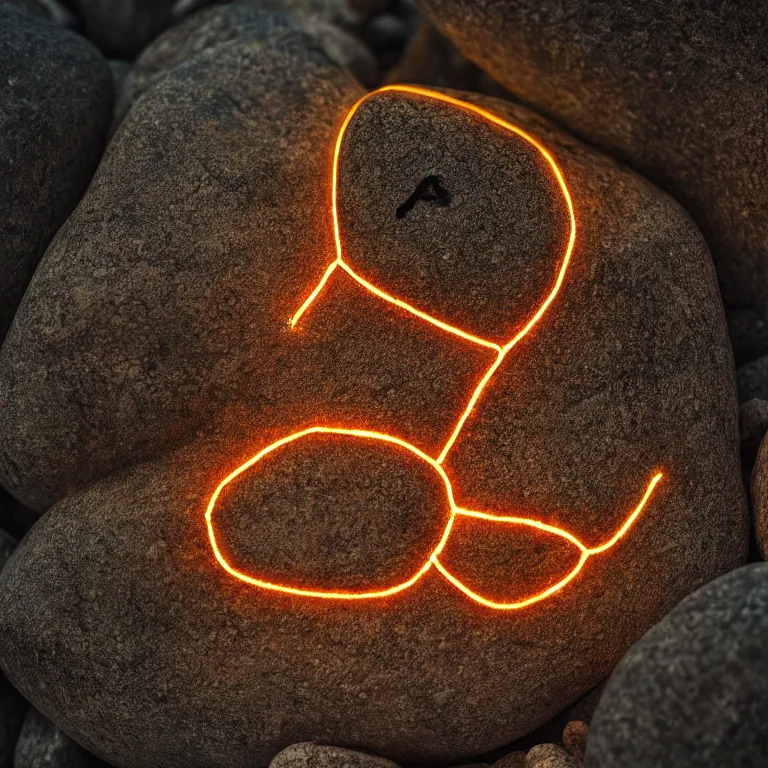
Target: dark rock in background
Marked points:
12	711
549	756
512	760
55	103
121	28
205	31
42	745
171	361
760	498
678	90
431	59
693	691
309	755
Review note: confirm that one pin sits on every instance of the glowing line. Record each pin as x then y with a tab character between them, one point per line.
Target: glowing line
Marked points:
436	464
360	433
586	552
470	407
312	296
408	308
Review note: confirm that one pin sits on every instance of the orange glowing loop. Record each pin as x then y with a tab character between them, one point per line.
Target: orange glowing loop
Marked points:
436	463
360	433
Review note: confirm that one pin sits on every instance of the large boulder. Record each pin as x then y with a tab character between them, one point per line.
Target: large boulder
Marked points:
693	692
678	90
55	104
160	349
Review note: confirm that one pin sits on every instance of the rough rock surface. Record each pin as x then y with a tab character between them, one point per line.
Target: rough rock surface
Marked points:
693	690
42	745
549	756
205	31
154	356
55	102
679	90
309	755
760	498
433	60
7	545
12	705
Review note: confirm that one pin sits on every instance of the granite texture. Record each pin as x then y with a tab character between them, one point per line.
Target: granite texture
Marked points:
678	90
203	32
309	755
55	102
693	691
752	380
121	28
760	498
154	356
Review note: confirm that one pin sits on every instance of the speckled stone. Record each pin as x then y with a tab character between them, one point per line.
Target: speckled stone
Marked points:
311	755
575	736
205	31
678	90
7	545
55	101
760	498
155	356
548	756
752	380
432	60
693	691
42	745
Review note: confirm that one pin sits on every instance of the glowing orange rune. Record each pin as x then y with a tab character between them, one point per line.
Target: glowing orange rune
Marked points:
433	559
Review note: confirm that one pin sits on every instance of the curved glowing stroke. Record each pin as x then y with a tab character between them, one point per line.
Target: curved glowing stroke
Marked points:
339	261
359	433
586	552
436	464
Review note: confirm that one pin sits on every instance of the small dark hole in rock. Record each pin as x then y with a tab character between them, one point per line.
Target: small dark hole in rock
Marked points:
430	190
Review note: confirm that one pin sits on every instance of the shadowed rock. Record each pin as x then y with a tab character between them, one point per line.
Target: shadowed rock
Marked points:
170	362
55	102
317	756
693	690
760	498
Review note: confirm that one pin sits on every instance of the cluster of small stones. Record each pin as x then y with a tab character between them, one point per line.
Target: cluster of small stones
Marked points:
402	49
